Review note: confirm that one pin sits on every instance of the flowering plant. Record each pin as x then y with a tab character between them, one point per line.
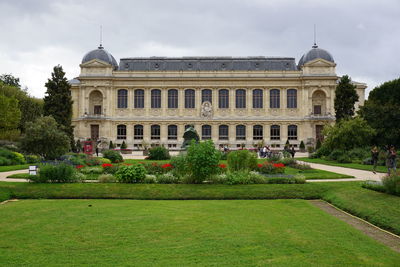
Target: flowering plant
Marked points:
109	168
80	166
271	168
222	166
105	165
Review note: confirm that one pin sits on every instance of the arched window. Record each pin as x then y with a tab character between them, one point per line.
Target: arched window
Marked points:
206	95
206	132
292	132
172	132
189	98
240	132
223	98
138	132
155	98
121	131
155	132
139	98
292	98
223	132
122	98
240	98
258	98
172	98
257	132
275	132
274	98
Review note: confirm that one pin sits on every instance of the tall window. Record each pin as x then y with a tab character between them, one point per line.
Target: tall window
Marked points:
292	98
155	132
138	132
240	132
292	132
172	132
257	132
122	98
240	98
206	95
274	98
155	98
172	98
223	98
258	98
223	132
139	98
275	132
189	98
121	132
206	132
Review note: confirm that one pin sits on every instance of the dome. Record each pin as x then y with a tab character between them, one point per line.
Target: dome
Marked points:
101	54
315	53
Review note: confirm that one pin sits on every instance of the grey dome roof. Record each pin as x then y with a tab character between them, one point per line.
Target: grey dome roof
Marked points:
315	53
101	54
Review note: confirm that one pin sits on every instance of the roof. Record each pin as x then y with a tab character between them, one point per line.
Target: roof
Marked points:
102	54
208	64
315	53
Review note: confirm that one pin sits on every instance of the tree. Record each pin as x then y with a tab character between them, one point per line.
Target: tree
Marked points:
345	98
382	112
9	118
9	79
45	139
58	101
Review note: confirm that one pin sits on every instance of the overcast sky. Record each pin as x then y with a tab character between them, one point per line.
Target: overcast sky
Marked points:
363	36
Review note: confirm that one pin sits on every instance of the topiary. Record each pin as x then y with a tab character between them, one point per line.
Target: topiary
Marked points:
123	145
158	153
302	146
112	155
111	145
131	173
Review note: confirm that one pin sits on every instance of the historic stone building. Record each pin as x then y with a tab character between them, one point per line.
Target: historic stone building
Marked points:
231	100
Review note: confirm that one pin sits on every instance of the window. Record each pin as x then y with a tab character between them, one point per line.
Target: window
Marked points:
139	98
317	110
258	98
155	132
240	98
206	95
275	132
121	132
292	132
205	132
240	132
274	98
257	132
172	98
122	98
223	132
189	98
292	98
156	98
138	132
172	132
97	110
223	98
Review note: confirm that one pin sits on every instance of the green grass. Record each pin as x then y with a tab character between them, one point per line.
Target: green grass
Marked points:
19	176
14	167
316	174
382	169
181	233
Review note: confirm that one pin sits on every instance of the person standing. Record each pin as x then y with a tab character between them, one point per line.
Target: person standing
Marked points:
292	151
374	157
392	155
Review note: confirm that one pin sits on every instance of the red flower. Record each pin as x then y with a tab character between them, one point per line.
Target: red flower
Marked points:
166	165
79	166
127	164
222	166
259	165
279	165
104	165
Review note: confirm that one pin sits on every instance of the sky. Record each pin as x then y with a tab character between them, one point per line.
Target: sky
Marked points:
363	36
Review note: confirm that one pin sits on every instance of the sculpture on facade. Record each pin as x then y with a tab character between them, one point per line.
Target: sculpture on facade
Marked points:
206	110
189	135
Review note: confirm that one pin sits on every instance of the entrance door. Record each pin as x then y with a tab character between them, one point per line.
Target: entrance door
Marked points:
318	132
97	110
94	132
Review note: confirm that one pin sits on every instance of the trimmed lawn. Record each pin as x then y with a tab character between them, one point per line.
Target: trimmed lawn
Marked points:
345	165
15	167
316	174
182	233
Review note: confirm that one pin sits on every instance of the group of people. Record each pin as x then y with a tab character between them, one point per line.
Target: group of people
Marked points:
265	151
390	159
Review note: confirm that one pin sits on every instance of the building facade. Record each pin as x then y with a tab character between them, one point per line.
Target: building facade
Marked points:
235	101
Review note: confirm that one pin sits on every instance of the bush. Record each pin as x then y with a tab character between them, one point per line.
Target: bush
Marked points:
32	159
167	178
104	161
302	146
57	173
344	159
202	160
123	145
150	179
109	168
180	165
79	177
107	178
19	158
301	166
91	170
75	158
271	168
11	158
131	173
359	153
275	157
218	179
391	183
154	168
158	153
242	160
238	177
92	161
288	162
4	161
112	155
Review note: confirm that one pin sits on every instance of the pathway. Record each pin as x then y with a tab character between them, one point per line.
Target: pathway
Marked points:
3	176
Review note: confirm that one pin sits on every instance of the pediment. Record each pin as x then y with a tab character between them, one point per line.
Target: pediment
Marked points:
319	62
95	63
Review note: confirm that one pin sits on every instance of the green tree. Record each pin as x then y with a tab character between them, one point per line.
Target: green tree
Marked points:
382	112
45	139
9	118
345	98
9	79
58	101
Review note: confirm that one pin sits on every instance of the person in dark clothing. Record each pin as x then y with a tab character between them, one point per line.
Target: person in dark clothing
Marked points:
391	157
292	151
374	157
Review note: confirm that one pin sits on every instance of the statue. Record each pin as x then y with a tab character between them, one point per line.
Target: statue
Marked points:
206	110
189	135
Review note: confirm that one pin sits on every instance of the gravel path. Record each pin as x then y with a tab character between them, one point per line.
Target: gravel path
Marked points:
3	176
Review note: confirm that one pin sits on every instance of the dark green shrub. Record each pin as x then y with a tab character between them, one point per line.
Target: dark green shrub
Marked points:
12	158
344	159
270	168
92	161
224	155
112	155
180	165
288	161
158	153
123	145
242	160
302	146
57	173
335	154
202	161
322	151
391	183
32	159
92	170
318	145
131	173
275	157
359	153
4	161
111	145
109	168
